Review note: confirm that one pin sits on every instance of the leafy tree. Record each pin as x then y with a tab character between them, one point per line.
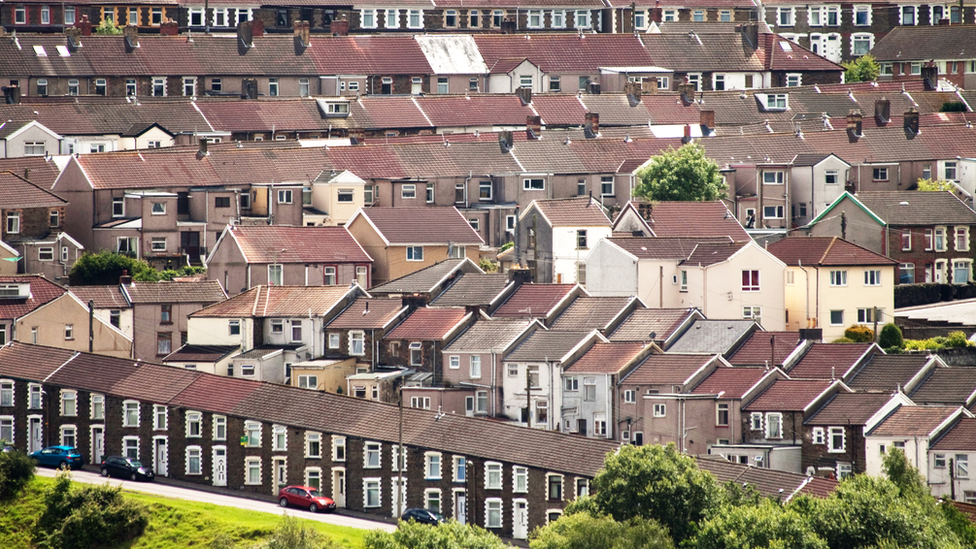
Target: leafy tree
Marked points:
656	482
929	185
292	533
16	470
904	475
586	531
450	535
891	336
487	265
106	267
862	69
766	525
859	333
107	27
964	528
683	174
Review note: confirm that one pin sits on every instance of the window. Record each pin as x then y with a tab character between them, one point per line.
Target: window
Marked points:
36	396
234	327
940	239
308	382
416	354
670	16
606	186
481	402
558	20
45	254
817	436
776	102
962	239
940	461
756	421
962	465
371	455
247	369
722	414
194	424
130	413
837	317
13	222
773	212
460	469
252	434
785	17
773	178
160	417
571	383
130	447
275	274
493	476
413	21
906	273
484	190
284	196
158	86
750	281
861	43
838	278
525	81
368	19
774	425
928	239
533	184
20	15
415	253
698	16
630	396
450	18
356	343
962	271
134	16
872	277
97	406
164	343
535	19
660	410
554	487
252	470
433	499
475	367
189	86
41	88
836	439
279	438
916	68
582	20
866	315
6	393
907	15
408	191
950	171
69	403
296	330
432	465
862	16
474	20
640	19
193	460
793	80
496	18
303	87
69	15
7	428
493	513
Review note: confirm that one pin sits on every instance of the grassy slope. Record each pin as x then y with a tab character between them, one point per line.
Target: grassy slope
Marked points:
175	523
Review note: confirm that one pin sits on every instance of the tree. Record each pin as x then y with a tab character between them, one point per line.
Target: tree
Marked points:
934	185
891	337
107	27
449	535
106	267
586	531
766	525
904	475
859	333
656	482
16	470
862	69
683	174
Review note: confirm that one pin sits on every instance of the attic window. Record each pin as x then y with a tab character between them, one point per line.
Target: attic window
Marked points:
785	45
63	51
39	50
337	109
773	101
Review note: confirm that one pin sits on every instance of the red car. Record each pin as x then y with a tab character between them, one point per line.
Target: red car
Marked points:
305	496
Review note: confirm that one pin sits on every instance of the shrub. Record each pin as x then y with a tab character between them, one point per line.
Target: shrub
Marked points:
16	470
890	336
859	333
957	339
843	340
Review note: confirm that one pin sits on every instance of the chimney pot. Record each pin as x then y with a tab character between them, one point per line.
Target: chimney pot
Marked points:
340	27
85	25
169	28
911	121
882	111
854	125
533	126
687	136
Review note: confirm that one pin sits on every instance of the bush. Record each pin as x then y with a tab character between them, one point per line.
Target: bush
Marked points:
890	336
957	339
859	333
843	340
16	470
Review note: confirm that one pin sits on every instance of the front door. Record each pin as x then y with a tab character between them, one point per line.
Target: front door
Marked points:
160	457
190	243
280	474
461	507
339	487
34	443
581	427
219	454
403	496
520	528
98	444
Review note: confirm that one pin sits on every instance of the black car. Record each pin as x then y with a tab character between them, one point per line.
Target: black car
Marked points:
123	467
422	516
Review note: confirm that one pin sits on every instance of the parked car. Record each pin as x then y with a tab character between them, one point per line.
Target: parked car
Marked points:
422	516
59	456
124	467
305	496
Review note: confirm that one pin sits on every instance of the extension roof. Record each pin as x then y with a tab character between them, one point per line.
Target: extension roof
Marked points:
428	324
729	382
20	193
787	395
546	346
366	313
590	313
922	208
961	436
667	369
765	348
473	289
204	291
886	373
606	358
712	336
534	300
661	322
913	421
849	409
42	291
695	219
277	301
105	297
428	279
283	244
488	335
432	226
824	251
955	385
924	43
830	360
576	211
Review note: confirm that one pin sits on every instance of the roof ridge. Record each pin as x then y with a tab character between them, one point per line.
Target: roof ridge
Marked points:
830	246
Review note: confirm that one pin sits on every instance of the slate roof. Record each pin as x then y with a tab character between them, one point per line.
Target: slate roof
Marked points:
913	421
283	244
711	336
961	436
695	219
545	346
87	115
105	297
42	291
200	353
764	348
276	301
473	289
204	291
829	360
428	324
478	438
39	170
427	279
923	42
768	482
364	313
639	325
953	385
849	409
924	208
712	253
885	373
534	300
487	335
701	50
825	251
433	225
787	395
666	369
605	358
565	52
731	382
576	211
590	313
18	192
651	247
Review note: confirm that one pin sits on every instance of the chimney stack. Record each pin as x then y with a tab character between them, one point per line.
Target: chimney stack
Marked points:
301	36
125	279
340	27
520	275
633	91
505	141
591	128
131	33
249	88
508	26
533	126
687	91
853	125
706	121
654	85
525	94
85	25
245	36
882	111
74	38
169	28
11	95
257	28
687	136
202	151
814	334
911	121
750	35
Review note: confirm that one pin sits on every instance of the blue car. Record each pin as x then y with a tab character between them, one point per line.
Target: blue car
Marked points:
59	456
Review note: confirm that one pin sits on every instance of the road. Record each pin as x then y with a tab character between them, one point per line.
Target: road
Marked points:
170	491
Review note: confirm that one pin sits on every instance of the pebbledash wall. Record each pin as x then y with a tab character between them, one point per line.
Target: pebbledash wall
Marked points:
256	437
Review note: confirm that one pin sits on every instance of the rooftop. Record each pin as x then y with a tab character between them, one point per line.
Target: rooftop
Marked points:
41	291
205	291
591	313
606	358
913	421
534	300
849	409
830	360
283	244
429	279
277	301
961	436
473	289
886	373
545	346
577	211
662	323
427	324
667	369
826	251
787	395
488	335
433	225
364	313
765	348
712	336
729	382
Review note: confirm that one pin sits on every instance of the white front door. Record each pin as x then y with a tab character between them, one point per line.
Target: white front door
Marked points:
280	474
460	507
160	457
219	455
403	496
520	528
339	487
34	441
98	444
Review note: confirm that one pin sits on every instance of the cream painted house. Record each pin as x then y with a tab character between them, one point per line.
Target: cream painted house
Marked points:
64	322
8	259
833	284
335	198
724	279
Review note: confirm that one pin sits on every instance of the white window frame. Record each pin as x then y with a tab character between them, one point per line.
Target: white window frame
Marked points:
862	9
769	433
370	450
63	436
252	464
838	278
660	409
520	480
7	429
861	37
367	18
785	16
433	464
831	433
372	485
252	427
817	436
493	510
493	473
219	427
872	277
279	438
69	399
194	424
311	438
191	452
756	421
126	445
131	405
339	453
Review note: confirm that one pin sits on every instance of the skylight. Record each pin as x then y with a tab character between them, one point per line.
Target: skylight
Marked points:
39	50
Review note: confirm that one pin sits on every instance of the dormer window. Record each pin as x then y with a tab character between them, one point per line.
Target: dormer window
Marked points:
773	101
337	109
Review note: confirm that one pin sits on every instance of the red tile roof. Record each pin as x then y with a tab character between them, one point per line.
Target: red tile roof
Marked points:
764	348
577	211
428	324
367	313
434	225
666	369
651	247
21	193
368	55
830	360
204	291
31	361
267	244
731	382
105	297
566	53
824	250
887	372
42	291
695	219
769	483
787	395
961	436
534	300
849	409
474	110
605	358
591	313
277	301
712	253
913	421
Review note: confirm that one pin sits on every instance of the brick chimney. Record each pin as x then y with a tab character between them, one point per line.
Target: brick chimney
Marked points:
202	151
882	111
706	121
525	94
169	28
301	35
687	92
245	36
505	141
911	121
533	126
85	25
11	95
125	279
131	34
340	27
633	91
654	85
750	35
74	37
257	28
249	88
520	275
853	125
591	128
686	138
508	26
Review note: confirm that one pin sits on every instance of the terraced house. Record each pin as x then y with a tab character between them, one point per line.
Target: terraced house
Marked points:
254	436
